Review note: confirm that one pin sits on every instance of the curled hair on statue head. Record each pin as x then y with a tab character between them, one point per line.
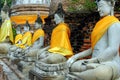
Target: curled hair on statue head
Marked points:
60	12
112	2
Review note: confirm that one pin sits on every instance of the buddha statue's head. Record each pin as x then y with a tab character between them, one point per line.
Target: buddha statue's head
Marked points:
105	7
27	27
18	29
5	11
59	14
38	23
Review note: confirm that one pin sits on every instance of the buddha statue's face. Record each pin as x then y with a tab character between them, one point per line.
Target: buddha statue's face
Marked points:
18	30
37	25
58	19
104	8
4	15
26	28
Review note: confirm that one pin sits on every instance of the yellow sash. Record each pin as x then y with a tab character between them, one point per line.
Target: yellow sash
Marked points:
37	34
17	38
60	42
26	40
101	27
6	30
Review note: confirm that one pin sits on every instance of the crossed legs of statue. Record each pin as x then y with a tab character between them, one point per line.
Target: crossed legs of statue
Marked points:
52	58
45	56
34	51
91	71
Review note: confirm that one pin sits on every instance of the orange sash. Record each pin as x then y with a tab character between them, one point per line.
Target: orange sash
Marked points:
101	27
26	40
60	42
17	38
37	34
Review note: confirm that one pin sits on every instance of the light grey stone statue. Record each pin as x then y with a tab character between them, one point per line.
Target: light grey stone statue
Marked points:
51	60
14	49
37	39
38	27
17	50
105	41
5	30
50	56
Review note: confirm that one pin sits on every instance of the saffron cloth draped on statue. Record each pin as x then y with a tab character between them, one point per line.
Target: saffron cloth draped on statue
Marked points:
101	27
37	34
17	39
26	40
60	42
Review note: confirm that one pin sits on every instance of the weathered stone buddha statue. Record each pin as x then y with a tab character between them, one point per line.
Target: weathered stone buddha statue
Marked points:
52	59
22	41
27	36
105	42
18	37
16	48
37	42
37	39
38	36
6	34
60	44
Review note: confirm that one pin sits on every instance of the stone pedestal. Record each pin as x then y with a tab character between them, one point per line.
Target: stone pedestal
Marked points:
37	74
43	71
25	67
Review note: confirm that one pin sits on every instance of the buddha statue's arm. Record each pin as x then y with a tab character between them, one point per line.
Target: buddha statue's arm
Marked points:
78	56
41	41
113	44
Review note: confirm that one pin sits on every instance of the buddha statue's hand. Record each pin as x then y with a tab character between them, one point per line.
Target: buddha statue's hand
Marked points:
71	60
92	65
92	60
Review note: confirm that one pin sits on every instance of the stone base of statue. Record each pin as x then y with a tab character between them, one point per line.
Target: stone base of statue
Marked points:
72	77
43	71
25	67
2	73
3	55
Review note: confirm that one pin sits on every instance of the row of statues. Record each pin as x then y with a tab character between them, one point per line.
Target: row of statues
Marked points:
105	42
